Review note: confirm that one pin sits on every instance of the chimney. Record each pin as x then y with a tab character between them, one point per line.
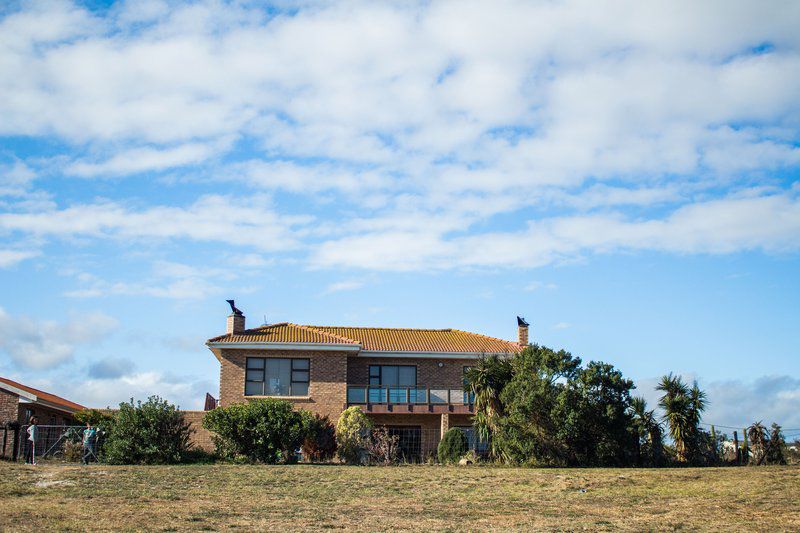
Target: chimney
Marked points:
522	331
235	320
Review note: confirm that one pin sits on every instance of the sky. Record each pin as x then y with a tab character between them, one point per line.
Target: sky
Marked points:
624	175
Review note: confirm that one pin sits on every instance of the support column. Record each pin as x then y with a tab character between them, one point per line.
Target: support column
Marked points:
445	424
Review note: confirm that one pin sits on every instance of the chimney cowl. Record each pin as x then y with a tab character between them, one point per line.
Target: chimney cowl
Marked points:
522	331
236	320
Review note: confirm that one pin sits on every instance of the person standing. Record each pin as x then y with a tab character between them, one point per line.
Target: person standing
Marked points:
33	434
89	440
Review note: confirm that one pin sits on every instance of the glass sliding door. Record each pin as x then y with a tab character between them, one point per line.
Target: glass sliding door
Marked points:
392	383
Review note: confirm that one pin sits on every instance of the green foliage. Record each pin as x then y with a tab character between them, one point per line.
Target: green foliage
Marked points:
452	446
683	408
267	430
353	435
95	418
153	432
320	441
543	408
649	432
486	381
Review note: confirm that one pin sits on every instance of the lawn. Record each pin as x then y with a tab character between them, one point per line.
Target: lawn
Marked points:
302	497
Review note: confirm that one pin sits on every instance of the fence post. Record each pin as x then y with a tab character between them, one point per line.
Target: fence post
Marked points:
745	450
736	447
714	443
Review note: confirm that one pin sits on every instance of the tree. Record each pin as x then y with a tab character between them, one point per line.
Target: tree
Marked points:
452	446
320	440
486	381
266	430
353	433
649	432
153	432
683	408
557	413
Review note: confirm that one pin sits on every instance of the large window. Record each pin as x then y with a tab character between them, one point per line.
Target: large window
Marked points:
399	380
393	375
276	377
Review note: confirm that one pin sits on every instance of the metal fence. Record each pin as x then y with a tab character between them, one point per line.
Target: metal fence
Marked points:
61	443
421	445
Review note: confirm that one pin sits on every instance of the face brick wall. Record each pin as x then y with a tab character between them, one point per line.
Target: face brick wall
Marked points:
8	413
451	375
201	438
8	407
327	391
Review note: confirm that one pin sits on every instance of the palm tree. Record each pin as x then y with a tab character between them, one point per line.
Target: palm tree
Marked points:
485	381
648	428
677	406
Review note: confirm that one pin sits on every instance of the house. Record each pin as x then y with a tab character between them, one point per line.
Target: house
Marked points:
410	380
18	403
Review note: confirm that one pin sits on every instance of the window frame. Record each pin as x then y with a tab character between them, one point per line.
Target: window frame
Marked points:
379	376
297	366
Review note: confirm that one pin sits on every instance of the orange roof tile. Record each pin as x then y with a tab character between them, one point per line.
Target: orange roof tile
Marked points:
284	333
377	339
44	396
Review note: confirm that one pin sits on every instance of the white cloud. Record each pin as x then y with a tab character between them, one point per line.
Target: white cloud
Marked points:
346	285
41	344
419	125
211	218
536	285
770	222
562	325
10	258
170	280
143	159
114	387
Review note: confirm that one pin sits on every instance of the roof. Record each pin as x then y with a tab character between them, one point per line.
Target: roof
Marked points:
375	339
42	395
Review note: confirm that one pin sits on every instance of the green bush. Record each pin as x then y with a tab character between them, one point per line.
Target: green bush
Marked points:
153	432
353	432
265	430
320	441
95	418
452	446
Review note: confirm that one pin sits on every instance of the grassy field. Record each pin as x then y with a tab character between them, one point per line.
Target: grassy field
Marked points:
209	497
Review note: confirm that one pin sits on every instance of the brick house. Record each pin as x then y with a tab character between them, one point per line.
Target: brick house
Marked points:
18	403
410	380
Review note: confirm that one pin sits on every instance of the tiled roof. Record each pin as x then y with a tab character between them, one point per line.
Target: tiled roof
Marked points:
284	333
377	339
44	396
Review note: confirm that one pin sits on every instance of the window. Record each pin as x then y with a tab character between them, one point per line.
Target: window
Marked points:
393	375
399	378
276	377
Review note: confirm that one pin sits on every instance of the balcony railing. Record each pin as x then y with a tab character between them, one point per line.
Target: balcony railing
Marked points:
387	395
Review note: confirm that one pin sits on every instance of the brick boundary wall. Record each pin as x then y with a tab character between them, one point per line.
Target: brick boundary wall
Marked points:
201	437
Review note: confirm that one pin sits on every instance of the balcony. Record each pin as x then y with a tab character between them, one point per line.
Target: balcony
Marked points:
398	399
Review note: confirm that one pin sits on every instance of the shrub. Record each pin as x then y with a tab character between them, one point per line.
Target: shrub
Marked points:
153	432
265	430
383	448
95	418
353	435
320	441
452	446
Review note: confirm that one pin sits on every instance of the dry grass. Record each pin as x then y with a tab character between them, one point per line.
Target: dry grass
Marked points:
210	497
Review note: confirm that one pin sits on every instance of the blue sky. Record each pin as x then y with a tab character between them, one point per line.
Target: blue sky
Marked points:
624	176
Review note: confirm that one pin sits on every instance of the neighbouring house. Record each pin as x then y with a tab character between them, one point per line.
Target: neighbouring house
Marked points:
18	403
410	380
